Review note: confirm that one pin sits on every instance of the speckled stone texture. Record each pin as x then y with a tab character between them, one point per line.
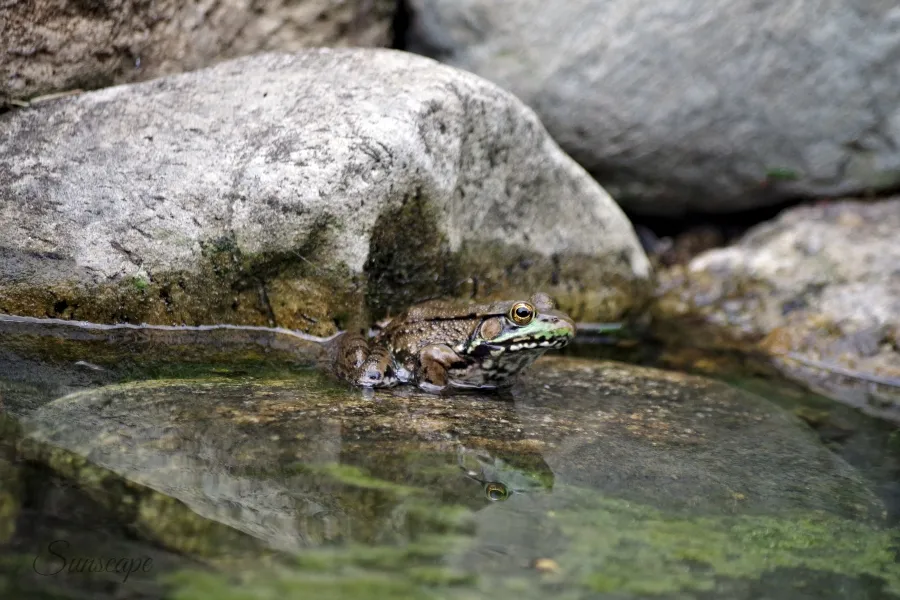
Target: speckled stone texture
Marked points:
689	104
820	282
52	46
280	189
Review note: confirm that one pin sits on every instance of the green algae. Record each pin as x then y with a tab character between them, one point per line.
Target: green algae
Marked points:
782	174
610	546
63	353
407	571
583	287
658	554
306	289
324	587
354	476
140	282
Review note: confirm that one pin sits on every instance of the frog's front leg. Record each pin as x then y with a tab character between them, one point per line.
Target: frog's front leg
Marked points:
349	353
378	369
434	362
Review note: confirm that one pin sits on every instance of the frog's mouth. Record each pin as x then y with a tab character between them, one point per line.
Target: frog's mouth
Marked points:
518	345
531	344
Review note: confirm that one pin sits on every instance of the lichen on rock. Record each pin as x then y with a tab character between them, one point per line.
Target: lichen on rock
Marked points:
301	191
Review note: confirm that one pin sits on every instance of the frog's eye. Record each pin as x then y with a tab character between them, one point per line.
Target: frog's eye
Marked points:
521	313
496	492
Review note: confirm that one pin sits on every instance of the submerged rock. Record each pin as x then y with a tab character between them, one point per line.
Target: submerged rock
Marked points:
300	462
818	288
691	105
292	460
584	468
55	46
62	521
41	359
622	479
286	189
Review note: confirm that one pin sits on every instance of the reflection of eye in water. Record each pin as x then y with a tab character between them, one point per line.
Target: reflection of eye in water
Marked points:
500	479
495	491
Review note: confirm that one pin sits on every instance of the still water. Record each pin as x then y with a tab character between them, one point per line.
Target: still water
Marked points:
221	465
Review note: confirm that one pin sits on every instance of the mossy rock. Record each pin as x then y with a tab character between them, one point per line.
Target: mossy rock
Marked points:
314	191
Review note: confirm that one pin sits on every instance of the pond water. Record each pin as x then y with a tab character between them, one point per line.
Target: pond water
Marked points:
221	465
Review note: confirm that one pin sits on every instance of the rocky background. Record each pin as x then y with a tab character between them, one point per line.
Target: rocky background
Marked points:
149	173
52	46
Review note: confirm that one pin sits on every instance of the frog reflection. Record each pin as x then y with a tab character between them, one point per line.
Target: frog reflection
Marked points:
501	479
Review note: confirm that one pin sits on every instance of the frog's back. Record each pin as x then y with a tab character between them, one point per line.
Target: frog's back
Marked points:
447	310
435	322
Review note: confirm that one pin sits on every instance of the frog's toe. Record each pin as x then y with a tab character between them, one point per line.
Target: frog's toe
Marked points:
403	375
430	387
371	378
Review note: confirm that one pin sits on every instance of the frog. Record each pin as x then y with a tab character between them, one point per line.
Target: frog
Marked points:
441	346
438	345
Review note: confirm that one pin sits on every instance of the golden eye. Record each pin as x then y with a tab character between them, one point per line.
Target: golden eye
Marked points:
521	313
496	492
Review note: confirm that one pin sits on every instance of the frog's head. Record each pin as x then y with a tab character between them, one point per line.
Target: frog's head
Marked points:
527	325
506	342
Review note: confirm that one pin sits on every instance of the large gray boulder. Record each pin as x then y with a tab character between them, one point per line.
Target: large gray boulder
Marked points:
693	105
291	189
49	46
819	287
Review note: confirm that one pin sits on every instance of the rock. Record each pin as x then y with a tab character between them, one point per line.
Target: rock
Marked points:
692	106
60	516
593	464
819	287
12	487
671	441
40	361
52	46
286	189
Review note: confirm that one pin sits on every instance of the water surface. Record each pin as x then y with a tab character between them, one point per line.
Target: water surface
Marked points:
241	471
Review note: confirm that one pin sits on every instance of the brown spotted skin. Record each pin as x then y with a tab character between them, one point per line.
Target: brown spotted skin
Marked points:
348	352
440	345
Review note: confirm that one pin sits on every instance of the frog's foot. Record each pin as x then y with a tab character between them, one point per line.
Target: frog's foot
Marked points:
434	361
377	370
350	351
431	388
355	361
